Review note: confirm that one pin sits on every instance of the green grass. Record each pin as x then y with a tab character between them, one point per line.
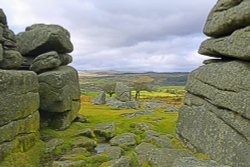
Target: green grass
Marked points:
145	94
170	87
89	93
98	114
102	113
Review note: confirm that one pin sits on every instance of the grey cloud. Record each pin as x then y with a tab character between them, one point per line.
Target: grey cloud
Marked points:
145	35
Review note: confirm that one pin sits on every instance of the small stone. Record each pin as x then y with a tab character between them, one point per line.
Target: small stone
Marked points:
113	152
86	132
85	142
125	139
138	113
51	145
141	126
122	162
161	141
106	130
69	163
81	118
154	104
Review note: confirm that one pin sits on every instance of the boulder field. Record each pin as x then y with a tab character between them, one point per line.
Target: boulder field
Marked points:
35	82
215	117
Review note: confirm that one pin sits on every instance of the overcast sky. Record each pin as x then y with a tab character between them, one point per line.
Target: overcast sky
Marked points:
130	35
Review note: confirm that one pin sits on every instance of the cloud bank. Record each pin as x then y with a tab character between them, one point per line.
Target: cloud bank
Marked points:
141	35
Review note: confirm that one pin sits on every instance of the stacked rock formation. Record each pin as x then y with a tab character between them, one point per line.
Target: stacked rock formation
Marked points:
34	82
45	49
215	118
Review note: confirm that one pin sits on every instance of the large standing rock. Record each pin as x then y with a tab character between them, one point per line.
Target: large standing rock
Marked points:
59	95
100	98
19	103
215	117
233	46
123	92
227	16
41	38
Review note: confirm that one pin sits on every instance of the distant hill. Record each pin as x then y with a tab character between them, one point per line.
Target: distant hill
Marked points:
92	79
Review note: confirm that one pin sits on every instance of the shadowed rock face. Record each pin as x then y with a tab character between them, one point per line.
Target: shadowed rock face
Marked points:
215	118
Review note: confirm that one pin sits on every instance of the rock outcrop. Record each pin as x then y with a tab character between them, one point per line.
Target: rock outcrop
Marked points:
46	88
215	118
46	48
123	92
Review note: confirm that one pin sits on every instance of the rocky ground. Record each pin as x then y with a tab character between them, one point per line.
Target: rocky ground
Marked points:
105	136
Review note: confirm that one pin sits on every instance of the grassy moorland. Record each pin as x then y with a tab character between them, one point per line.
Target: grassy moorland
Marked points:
162	122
